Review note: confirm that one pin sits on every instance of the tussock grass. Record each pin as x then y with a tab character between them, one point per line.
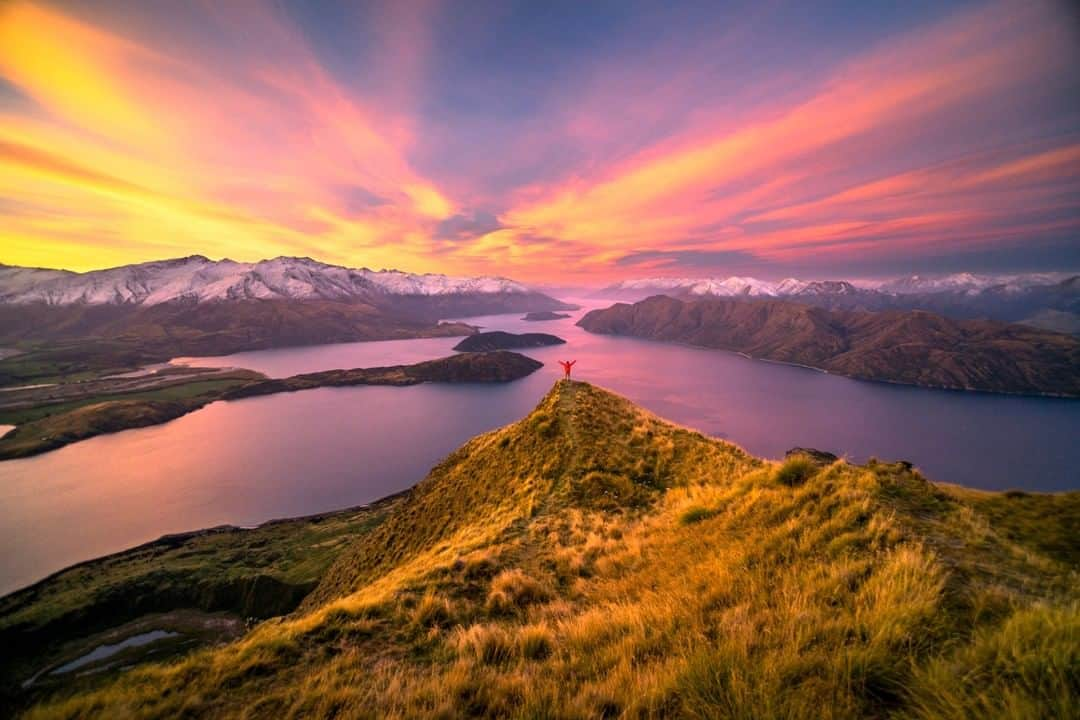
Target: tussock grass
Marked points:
514	582
512	590
796	470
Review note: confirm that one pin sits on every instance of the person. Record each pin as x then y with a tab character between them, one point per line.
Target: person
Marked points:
566	366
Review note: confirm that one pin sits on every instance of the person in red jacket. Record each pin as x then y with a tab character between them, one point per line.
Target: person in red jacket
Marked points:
566	366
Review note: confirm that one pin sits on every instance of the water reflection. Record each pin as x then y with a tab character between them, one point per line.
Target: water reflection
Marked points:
292	454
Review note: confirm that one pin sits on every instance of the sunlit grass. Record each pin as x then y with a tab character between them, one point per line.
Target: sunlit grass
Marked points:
592	561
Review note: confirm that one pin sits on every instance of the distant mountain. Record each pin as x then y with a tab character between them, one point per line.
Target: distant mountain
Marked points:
736	286
967	282
123	317
1048	300
200	279
909	347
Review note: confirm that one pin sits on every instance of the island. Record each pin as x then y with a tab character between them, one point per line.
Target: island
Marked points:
51	425
911	347
499	340
544	315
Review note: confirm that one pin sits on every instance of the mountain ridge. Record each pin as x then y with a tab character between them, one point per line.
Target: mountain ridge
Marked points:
197	278
1047	300
595	559
66	324
913	347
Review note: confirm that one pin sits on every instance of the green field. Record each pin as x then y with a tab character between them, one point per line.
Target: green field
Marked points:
181	390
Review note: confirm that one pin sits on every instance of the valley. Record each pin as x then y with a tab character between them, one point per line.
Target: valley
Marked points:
237	462
594	557
398	360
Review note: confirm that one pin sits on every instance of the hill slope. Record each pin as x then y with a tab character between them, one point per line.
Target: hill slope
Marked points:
914	347
592	561
1050	300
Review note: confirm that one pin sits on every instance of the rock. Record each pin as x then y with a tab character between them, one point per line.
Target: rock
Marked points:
818	456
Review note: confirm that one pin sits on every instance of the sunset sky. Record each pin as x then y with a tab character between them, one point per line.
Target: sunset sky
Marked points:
554	142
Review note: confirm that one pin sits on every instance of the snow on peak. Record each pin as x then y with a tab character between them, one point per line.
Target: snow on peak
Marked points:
725	287
967	282
735	286
200	279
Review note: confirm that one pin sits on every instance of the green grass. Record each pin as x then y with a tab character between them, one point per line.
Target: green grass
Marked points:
179	391
594	561
1045	522
68	361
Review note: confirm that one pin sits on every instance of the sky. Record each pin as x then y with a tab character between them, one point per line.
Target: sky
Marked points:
572	143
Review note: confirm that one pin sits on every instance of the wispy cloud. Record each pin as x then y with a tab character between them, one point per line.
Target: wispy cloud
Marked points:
380	137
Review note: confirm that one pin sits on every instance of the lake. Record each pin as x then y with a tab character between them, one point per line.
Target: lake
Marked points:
248	461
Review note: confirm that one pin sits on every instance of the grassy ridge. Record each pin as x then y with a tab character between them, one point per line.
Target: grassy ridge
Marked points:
593	561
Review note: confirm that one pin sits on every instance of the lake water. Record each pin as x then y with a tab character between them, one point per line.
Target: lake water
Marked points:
102	652
283	455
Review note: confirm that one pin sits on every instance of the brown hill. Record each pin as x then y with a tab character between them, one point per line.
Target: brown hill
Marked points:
594	561
912	347
66	339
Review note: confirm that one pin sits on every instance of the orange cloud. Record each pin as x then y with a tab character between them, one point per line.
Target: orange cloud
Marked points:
129	143
674	194
242	160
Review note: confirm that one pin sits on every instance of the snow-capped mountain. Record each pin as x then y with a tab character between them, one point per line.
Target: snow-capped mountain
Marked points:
200	279
967	282
1048	300
736	286
720	287
14	279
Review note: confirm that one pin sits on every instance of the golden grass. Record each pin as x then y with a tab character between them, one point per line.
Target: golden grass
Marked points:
592	561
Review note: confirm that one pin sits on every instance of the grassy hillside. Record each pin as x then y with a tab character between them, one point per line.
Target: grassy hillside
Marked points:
593	561
259	572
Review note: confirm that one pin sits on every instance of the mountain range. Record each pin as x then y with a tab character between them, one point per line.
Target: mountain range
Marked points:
1047	300
199	279
65	322
910	347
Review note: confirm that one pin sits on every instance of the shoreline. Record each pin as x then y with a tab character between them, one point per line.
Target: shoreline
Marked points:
823	371
117	413
171	540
